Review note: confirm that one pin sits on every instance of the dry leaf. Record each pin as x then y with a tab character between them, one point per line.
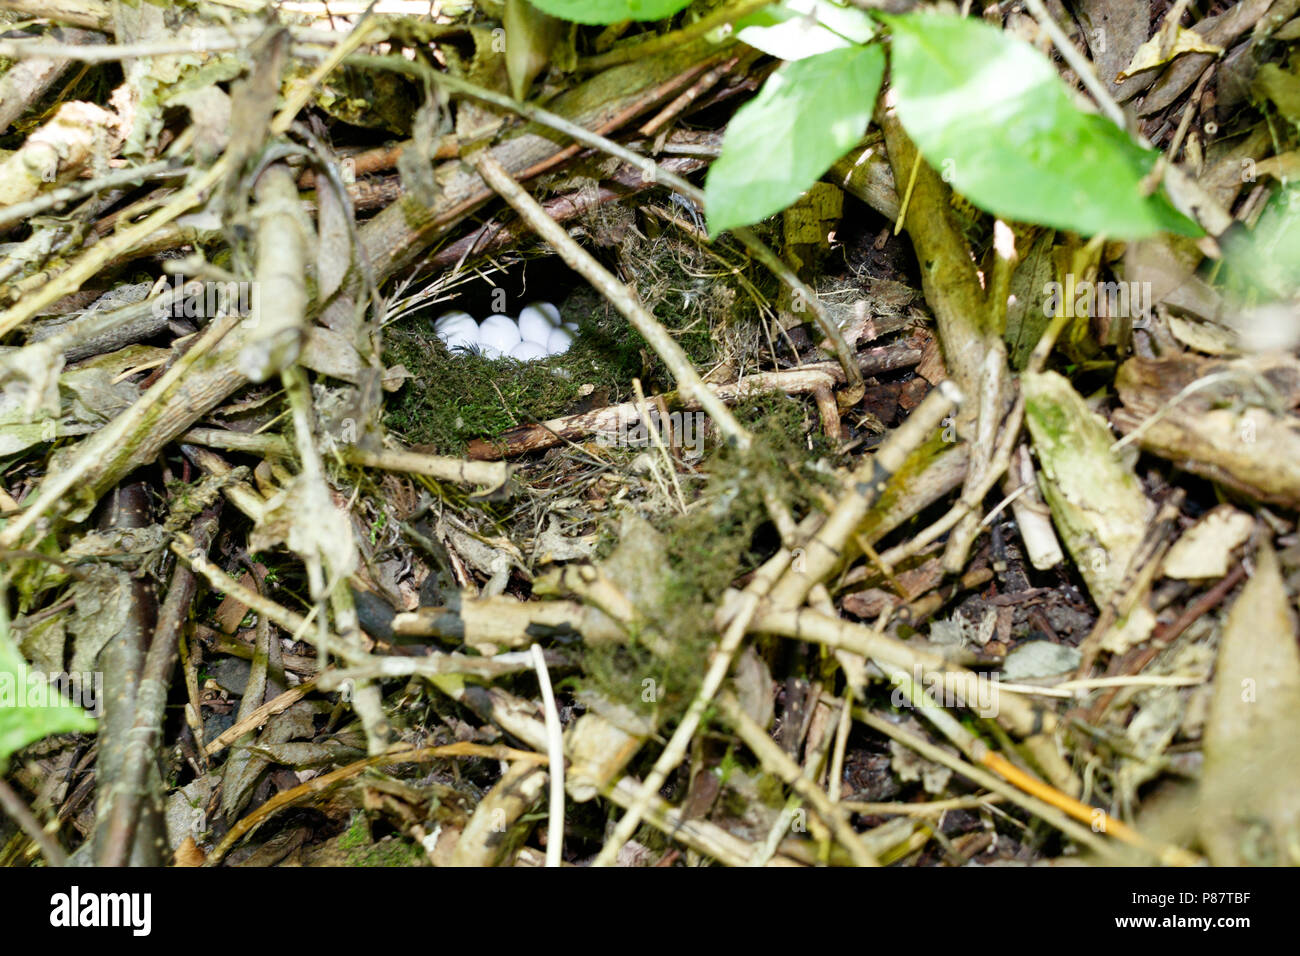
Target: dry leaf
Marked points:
1155	52
1250	788
1097	504
1205	548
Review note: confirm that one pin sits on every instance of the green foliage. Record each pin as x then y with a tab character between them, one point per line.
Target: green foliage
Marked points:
610	11
985	109
990	113
1266	261
30	708
802	28
808	114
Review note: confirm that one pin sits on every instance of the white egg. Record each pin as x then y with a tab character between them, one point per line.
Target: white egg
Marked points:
499	334
448	318
551	313
460	336
528	351
534	325
572	327
558	342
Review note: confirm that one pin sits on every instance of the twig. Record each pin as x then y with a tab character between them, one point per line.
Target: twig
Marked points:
643	410
258	716
56	489
328	567
971	498
686	98
516	717
318	785
923	808
1077	62
23	816
555	755
1032	515
992	390
151	700
208	40
163	169
1022	717
809	379
488	474
825	549
435	664
110	247
294	623
775	761
266	445
122	663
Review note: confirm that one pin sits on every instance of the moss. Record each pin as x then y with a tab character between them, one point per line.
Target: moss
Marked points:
704	551
357	833
389	851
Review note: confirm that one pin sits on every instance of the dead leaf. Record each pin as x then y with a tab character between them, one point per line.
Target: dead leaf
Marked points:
1097	504
1250	788
1156	52
1205	549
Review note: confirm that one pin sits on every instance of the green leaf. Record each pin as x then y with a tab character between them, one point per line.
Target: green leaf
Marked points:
802	28
30	708
610	11
990	113
1266	261
807	115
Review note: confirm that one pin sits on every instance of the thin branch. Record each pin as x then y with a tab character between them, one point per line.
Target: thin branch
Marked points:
23	816
555	753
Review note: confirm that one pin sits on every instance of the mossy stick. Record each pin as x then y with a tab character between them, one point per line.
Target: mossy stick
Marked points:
948	276
628	52
742	612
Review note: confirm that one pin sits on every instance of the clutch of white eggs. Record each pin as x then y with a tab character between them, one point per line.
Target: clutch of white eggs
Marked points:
538	333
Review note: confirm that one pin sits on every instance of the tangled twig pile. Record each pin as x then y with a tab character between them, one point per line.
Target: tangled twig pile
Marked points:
823	542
